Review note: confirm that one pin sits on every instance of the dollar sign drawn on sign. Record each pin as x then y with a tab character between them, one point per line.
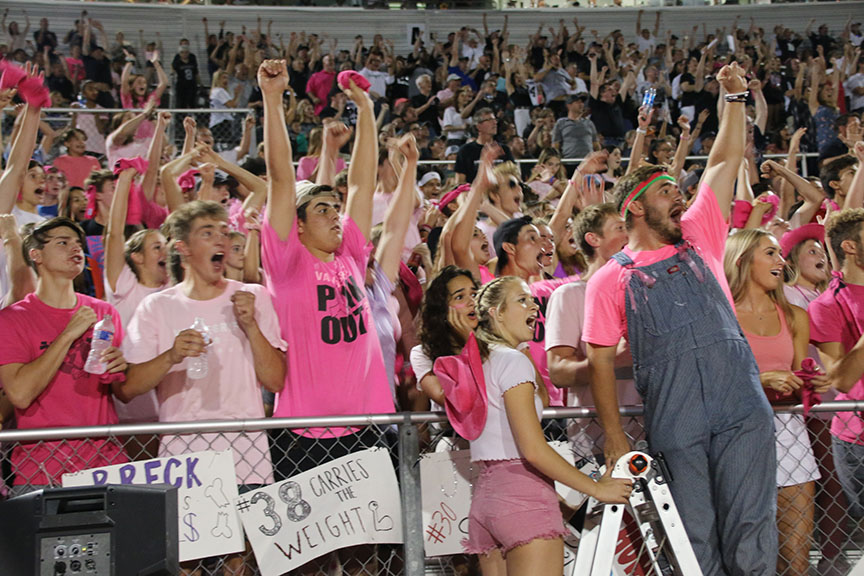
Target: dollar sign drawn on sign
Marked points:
192	534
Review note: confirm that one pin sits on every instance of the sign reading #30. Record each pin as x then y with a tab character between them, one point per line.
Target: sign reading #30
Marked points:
348	501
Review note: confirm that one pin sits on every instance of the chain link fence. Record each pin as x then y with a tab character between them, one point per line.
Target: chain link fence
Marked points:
818	526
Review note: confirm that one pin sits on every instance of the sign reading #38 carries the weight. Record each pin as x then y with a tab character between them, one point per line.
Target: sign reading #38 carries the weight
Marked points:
348	501
206	487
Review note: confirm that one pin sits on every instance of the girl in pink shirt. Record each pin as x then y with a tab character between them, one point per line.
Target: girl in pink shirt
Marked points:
134	94
778	334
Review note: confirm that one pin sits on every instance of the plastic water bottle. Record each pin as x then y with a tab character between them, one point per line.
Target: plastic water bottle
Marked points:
103	336
198	366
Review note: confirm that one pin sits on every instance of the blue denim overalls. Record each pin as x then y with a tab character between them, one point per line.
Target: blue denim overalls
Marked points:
705	411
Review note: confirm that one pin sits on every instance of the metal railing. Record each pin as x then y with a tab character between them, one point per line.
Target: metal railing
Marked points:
834	534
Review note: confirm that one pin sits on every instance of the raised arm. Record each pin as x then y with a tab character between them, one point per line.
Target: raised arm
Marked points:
154	157
19	157
683	146
465	217
728	149
21	276
168	178
281	199
163	81
362	172
855	197
126	75
114	238
336	135
755	87
636	153
398	216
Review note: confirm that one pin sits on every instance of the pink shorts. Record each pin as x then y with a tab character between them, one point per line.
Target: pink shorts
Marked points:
512	505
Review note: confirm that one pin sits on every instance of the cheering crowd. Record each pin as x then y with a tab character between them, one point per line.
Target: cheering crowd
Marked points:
561	238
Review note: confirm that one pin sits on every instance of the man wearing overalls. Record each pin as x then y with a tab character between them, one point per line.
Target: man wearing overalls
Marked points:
704	406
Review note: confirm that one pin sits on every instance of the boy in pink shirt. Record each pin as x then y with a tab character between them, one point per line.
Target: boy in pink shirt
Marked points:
315	264
704	405
836	327
46	340
242	346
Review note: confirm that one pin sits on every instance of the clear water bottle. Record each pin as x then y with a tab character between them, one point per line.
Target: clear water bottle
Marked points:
197	367
103	336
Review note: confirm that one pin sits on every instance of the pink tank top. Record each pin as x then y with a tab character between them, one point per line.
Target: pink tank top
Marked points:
773	352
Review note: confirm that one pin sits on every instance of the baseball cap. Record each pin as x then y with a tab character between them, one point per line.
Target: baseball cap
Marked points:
307	191
452	77
451	150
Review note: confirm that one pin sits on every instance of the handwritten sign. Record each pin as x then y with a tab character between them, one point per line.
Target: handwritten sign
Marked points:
348	501
445	493
206	487
446	479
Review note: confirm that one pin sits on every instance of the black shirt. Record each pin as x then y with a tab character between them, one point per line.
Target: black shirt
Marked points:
186	71
608	118
469	154
97	70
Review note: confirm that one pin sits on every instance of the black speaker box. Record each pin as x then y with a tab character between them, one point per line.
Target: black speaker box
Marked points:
92	531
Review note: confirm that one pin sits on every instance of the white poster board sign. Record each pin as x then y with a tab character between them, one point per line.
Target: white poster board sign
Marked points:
446	479
348	501
206	487
445	493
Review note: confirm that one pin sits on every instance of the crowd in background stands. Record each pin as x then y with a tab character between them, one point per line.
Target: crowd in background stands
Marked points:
478	103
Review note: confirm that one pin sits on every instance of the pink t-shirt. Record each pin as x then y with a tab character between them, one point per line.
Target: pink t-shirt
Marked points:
125	299
229	391
307	165
541	291
76	168
605	312
830	322
335	365
146	129
320	84
72	398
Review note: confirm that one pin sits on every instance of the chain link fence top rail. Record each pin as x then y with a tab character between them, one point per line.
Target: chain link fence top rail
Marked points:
832	540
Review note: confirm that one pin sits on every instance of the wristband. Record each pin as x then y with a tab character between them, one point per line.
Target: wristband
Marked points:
641	131
738	96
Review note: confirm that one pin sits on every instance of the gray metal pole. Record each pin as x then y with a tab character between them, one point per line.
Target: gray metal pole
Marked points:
409	477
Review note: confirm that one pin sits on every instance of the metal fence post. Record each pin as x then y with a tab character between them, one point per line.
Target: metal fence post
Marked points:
409	480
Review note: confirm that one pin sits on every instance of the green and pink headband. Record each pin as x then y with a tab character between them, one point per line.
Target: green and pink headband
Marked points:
640	188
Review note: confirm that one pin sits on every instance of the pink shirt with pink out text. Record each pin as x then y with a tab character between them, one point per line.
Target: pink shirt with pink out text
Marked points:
335	364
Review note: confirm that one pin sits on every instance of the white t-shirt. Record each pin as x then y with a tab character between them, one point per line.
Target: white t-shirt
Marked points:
565	314
422	367
229	391
645	45
504	369
378	80
453	118
130	293
218	98
854	81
